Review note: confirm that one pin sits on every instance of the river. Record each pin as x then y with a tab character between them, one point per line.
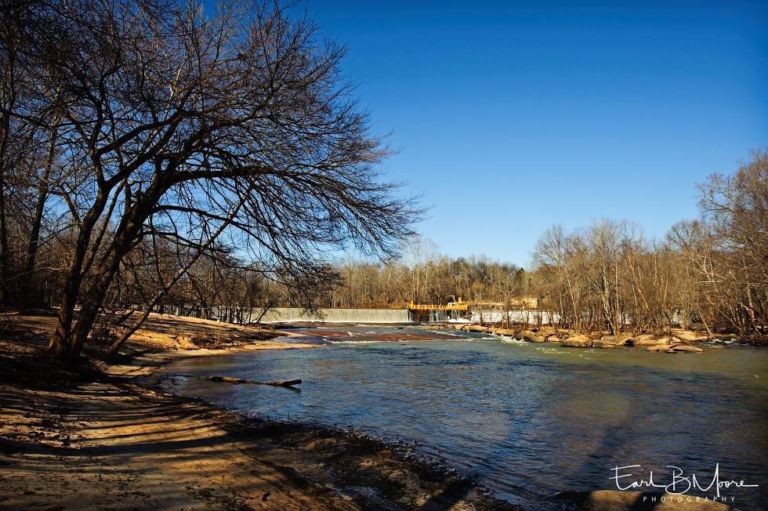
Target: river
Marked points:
526	420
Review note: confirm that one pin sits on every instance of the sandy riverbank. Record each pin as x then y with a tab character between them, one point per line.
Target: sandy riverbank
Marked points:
105	442
109	439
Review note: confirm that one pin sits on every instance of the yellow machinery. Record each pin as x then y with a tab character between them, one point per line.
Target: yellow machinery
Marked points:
453	306
517	303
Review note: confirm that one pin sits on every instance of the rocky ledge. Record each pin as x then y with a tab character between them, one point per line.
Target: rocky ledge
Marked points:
676	340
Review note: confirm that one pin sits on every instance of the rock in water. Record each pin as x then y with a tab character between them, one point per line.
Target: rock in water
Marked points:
688	335
610	341
648	340
577	341
532	336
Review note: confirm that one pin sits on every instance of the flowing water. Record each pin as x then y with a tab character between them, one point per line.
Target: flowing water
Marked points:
526	420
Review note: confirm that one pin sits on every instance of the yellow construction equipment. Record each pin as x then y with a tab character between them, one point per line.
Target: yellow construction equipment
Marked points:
454	306
460	305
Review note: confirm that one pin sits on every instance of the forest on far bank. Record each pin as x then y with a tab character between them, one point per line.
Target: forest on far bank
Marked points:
709	273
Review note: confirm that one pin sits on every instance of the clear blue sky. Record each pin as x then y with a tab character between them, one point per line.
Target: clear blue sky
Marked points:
513	116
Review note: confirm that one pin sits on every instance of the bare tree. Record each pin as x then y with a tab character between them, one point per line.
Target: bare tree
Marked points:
737	209
236	126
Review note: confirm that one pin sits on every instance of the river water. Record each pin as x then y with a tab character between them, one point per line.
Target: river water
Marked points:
526	420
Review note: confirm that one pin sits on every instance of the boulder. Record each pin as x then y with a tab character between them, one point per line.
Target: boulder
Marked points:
477	328
577	341
610	341
647	340
688	335
658	348
653	340
530	336
509	332
546	331
552	338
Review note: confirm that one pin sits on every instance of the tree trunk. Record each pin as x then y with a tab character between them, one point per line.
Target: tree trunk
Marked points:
126	233
60	345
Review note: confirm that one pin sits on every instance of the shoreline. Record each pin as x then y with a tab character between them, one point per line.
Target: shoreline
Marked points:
114	439
118	441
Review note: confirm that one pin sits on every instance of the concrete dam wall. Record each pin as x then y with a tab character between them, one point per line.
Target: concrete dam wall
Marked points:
296	314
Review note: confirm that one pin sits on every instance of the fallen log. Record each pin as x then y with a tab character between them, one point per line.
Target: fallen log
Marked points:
286	383
241	381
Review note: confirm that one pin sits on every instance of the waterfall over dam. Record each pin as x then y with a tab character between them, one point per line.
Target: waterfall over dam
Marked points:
297	314
374	316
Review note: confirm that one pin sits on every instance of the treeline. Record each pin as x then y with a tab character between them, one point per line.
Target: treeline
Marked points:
438	280
225	287
711	272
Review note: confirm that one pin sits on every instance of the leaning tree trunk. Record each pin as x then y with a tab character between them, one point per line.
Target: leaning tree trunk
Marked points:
60	345
127	231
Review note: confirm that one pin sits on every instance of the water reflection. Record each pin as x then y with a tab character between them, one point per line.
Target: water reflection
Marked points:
528	420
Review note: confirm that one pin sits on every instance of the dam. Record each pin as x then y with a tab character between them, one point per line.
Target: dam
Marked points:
297	315
469	312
